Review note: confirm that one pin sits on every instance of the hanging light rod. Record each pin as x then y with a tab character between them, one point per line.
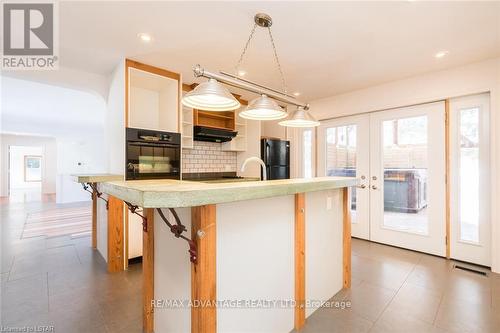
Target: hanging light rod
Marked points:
234	81
255	84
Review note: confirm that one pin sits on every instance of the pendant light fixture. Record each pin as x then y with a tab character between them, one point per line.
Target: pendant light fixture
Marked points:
263	108
300	118
212	96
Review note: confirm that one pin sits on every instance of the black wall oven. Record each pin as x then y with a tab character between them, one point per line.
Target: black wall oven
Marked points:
152	154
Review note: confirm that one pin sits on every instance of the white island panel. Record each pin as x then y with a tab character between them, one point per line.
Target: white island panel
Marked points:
172	273
324	248
255	261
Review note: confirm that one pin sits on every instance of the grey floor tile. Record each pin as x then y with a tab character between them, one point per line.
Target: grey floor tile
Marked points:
393	321
333	321
369	300
466	316
416	301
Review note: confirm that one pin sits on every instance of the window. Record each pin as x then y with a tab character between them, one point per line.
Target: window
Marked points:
469	175
307	153
32	168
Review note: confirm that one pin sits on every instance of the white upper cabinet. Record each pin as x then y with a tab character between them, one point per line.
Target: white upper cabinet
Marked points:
153	100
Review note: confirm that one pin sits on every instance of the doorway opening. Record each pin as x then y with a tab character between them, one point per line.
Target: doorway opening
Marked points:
25	173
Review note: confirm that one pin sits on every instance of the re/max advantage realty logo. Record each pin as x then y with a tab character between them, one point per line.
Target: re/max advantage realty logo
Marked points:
30	35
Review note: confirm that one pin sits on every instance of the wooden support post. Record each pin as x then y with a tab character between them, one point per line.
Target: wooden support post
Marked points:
94	218
203	274
346	238
300	260
148	249
115	235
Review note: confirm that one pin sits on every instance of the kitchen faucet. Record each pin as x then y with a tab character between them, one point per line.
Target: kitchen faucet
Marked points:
258	160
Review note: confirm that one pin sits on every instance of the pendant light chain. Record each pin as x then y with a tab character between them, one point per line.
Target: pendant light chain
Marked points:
245	49
283	82
275	52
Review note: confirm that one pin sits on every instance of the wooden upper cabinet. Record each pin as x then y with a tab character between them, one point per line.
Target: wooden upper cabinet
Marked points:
152	97
223	120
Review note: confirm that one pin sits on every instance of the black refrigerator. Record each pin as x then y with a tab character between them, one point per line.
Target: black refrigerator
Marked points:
276	155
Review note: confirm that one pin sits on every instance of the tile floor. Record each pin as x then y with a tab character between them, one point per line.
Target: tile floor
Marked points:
395	290
63	282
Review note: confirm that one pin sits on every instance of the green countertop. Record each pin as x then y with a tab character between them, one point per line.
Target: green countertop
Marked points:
96	177
167	193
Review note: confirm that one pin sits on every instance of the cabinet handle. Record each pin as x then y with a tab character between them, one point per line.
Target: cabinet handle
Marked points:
361	186
374	187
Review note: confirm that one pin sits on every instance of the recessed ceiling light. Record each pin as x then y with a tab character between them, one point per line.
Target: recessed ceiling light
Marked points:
146	38
241	73
296	93
441	54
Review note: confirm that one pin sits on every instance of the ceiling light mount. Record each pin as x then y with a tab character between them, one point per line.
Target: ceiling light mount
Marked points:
263	20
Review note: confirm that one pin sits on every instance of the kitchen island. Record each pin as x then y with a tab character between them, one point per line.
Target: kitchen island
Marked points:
239	252
90	183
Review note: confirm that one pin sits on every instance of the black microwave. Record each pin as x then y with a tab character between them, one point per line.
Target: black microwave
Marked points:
152	154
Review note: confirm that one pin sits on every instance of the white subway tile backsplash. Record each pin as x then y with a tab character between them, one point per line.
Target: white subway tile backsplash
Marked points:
208	157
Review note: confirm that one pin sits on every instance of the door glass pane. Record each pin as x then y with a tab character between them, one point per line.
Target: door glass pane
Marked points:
469	175
341	156
307	155
405	174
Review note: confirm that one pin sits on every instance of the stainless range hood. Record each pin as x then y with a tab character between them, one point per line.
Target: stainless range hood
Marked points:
211	134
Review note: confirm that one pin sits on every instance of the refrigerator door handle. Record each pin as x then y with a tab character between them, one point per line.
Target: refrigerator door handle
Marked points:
267	153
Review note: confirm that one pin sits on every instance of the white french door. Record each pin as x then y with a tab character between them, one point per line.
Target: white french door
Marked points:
344	151
408	184
470	179
398	156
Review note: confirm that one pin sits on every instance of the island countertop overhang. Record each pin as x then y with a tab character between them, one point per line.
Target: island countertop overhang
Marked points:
167	193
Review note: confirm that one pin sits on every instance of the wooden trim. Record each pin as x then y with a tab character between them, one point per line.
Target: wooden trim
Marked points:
115	235
447	176
126	236
203	274
94	218
346	237
300	260
148	250
151	69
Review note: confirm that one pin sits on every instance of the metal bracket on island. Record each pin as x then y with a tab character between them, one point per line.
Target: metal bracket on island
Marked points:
95	192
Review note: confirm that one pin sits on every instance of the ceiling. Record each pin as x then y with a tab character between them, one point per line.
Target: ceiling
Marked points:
326	48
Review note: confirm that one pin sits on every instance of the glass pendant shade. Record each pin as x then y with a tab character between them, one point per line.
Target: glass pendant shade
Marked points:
263	108
300	118
211	96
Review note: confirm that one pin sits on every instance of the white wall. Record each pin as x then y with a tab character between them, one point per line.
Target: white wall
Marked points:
271	129
73	119
115	121
471	79
49	167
